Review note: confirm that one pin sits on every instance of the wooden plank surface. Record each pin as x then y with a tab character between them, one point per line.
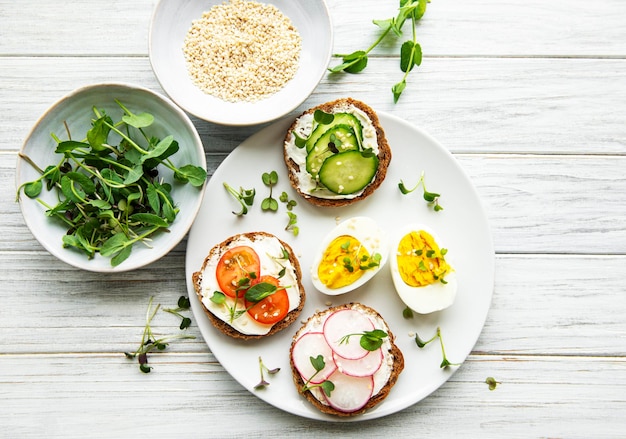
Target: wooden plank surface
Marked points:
450	28
529	96
539	106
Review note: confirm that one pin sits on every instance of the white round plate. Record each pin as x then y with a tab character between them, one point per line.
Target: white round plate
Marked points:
462	225
170	23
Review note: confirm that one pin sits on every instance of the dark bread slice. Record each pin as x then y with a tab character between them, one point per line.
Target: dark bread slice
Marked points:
398	364
224	326
384	155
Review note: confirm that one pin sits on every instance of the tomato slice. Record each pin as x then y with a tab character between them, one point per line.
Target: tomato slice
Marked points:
273	308
237	265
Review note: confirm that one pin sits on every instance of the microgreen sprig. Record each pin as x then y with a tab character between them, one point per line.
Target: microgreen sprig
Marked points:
245	197
365	263
183	305
270	179
431	198
422	343
326	385
410	51
149	342
263	368
492	383
293	218
370	340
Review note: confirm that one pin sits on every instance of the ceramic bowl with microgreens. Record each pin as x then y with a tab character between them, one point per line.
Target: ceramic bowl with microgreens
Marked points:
247	63
111	177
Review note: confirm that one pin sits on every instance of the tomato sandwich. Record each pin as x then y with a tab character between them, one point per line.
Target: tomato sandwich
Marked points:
250	285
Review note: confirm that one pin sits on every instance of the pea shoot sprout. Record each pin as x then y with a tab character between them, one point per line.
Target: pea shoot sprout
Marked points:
149	342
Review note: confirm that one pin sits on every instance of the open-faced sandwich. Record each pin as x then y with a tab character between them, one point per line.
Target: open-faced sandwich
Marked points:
344	359
336	153
250	285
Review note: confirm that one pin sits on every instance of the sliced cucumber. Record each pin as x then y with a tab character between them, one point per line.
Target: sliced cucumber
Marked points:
348	172
337	139
339	119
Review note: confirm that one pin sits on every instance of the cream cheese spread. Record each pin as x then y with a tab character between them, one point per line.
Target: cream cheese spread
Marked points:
270	252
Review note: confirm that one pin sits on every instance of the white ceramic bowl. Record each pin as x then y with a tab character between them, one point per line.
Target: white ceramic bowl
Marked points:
76	109
170	23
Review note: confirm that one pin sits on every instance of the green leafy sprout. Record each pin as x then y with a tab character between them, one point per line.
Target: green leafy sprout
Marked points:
111	197
270	179
432	198
149	342
264	369
293	218
326	385
407	313
364	263
422	343
410	51
492	383
370	340
245	197
183	305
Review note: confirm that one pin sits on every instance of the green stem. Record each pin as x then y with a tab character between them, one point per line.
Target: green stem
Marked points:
128	139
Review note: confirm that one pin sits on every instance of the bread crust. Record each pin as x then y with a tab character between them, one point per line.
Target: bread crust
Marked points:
398	365
384	155
225	327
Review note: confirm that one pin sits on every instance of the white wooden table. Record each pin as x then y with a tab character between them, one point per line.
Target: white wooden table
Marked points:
529	96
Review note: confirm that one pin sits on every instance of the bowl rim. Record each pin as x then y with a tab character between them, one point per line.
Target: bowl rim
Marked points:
158	253
328	53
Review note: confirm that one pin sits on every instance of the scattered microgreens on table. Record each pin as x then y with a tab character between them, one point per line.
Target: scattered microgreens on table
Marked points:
431	198
263	368
370	340
245	197
410	51
111	197
183	305
492	383
149	342
326	385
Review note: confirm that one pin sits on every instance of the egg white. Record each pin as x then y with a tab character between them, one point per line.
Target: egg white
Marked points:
429	298
371	237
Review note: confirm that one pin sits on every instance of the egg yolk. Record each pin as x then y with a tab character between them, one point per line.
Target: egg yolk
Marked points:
340	264
420	261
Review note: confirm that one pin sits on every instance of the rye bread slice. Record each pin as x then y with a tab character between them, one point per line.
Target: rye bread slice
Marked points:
395	352
224	327
384	154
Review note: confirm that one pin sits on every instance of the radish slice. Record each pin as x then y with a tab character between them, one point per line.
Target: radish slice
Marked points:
362	367
345	322
350	393
310	345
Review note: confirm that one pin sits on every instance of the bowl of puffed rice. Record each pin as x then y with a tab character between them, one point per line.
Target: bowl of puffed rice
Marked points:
240	62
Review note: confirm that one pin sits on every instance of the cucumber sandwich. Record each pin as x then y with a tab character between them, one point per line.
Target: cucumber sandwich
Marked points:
336	153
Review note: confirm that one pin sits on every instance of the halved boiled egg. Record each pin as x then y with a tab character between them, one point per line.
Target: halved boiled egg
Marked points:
422	276
350	255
